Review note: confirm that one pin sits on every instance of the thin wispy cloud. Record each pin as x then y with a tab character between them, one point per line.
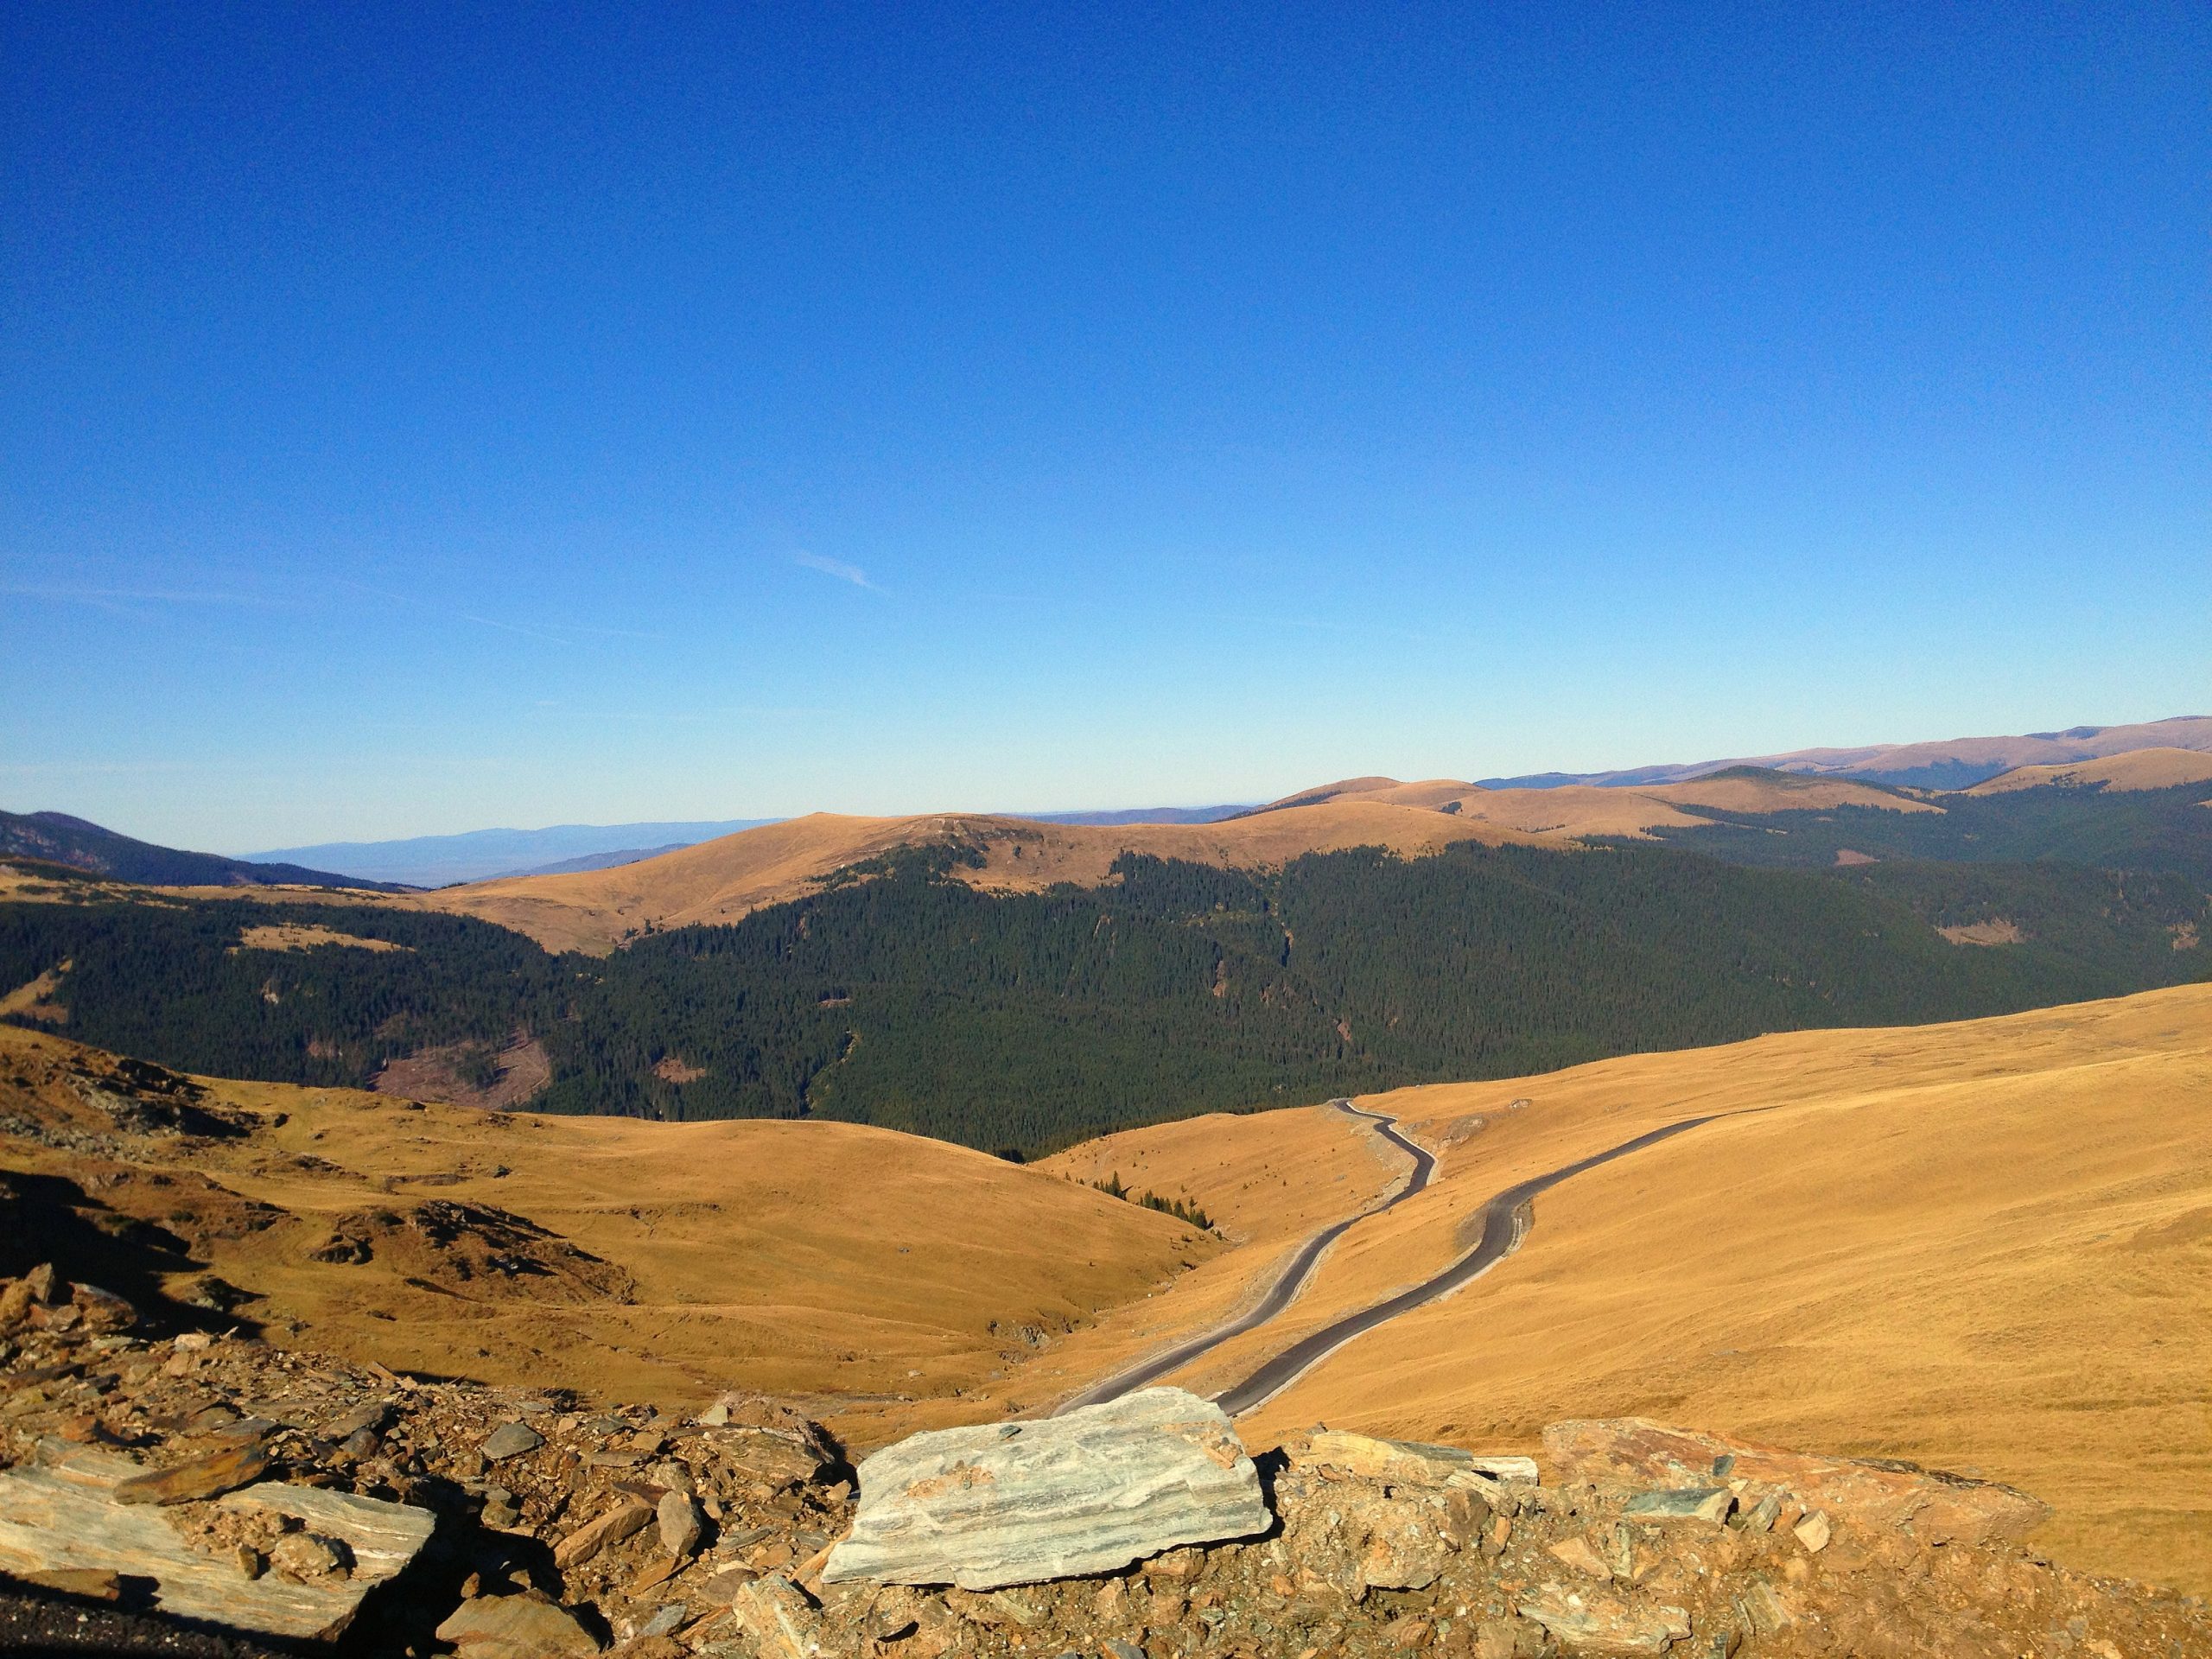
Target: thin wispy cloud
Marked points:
837	568
106	597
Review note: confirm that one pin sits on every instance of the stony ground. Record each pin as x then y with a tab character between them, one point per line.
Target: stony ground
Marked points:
564	1530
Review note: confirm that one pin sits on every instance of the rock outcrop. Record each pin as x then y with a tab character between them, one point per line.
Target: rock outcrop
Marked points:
1933	1505
60	1515
1088	1492
666	1535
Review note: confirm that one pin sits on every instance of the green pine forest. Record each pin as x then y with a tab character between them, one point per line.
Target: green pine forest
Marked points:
897	995
2144	829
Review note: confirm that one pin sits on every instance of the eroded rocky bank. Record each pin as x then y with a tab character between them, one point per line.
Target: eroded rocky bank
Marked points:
289	1500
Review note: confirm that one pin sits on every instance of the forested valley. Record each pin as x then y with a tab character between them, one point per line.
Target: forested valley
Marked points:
899	996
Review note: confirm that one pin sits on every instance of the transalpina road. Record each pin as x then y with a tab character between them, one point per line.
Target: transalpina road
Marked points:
1288	1284
1503	1227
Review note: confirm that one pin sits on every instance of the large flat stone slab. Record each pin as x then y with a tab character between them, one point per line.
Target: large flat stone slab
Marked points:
1021	1503
59	1513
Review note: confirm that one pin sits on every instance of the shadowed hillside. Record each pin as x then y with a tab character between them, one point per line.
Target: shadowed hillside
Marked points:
901	995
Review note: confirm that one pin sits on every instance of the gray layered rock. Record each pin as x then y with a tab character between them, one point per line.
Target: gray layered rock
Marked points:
1022	1502
1711	1504
59	1516
511	1440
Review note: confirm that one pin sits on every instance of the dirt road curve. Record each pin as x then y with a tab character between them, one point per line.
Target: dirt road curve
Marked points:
1286	1286
1500	1232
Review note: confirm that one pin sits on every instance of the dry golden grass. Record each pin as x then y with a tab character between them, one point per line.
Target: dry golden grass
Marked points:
1782	793
725	879
1983	1245
1432	793
295	937
2137	769
1589	809
32	1000
1267	1180
1986	1244
852	1266
1576	810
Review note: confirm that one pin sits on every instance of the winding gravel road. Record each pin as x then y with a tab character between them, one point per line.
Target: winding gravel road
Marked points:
1504	1223
1502	1229
1286	1286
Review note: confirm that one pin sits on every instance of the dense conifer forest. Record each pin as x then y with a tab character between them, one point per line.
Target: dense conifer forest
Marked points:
2142	830
898	995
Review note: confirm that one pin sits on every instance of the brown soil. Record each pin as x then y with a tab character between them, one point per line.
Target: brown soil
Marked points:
523	1071
1999	931
35	1000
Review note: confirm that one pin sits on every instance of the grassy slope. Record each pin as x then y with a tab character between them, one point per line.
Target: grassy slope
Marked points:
1986	1244
799	1257
726	880
2146	828
1034	1019
2118	773
1982	1244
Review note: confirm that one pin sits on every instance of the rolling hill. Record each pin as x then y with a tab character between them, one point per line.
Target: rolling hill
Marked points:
1015	985
1950	764
654	1261
1983	1241
475	855
2137	769
901	995
725	879
2141	820
1837	1259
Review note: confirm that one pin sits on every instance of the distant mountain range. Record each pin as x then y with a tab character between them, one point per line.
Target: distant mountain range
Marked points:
57	838
487	855
565	848
478	854
1017	983
1952	763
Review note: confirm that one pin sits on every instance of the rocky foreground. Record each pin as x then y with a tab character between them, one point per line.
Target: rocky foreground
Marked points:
160	1493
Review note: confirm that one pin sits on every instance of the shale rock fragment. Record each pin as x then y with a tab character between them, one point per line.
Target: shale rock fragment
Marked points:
1021	1503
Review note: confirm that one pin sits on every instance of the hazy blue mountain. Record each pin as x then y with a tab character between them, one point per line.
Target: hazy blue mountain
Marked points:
601	860
1945	764
480	854
474	855
59	839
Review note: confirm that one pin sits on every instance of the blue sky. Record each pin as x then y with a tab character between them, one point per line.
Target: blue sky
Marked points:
420	419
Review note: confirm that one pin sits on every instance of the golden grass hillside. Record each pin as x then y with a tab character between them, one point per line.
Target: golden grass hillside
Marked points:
2120	774
1594	809
1270	1179
655	1261
725	879
1985	1244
